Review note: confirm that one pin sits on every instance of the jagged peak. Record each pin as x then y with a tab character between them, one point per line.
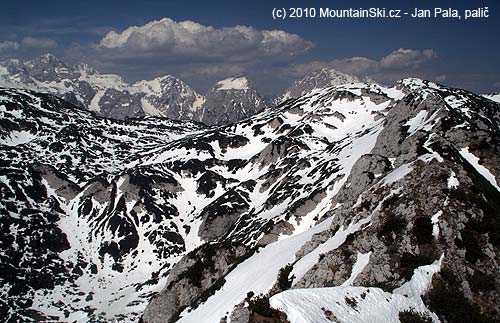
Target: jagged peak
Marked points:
84	67
332	73
160	83
48	58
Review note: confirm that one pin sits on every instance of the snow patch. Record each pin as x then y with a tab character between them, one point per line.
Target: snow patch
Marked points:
453	181
17	138
330	304
435	223
357	304
474	161
233	83
308	261
421	280
257	274
361	262
397	174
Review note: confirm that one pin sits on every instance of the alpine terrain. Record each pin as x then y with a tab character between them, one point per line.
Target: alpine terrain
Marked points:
317	79
108	95
493	96
347	203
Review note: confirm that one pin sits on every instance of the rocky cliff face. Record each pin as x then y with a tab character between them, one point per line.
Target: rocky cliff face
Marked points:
389	193
171	98
231	100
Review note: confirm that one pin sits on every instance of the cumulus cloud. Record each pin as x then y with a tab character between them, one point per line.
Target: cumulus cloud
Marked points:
497	84
33	42
8	45
188	38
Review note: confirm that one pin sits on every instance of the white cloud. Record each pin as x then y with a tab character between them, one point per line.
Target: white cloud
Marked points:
167	36
392	66
8	45
38	42
356	65
407	58
497	84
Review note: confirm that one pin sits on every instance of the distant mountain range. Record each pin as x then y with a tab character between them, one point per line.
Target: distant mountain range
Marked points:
108	95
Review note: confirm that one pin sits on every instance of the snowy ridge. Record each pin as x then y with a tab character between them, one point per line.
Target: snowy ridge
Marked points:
494	97
416	108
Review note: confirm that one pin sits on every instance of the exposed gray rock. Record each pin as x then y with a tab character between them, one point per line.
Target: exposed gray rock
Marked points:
240	314
400	237
129	104
195	274
315	80
231	100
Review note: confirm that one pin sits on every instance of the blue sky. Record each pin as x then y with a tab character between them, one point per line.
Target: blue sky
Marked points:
455	52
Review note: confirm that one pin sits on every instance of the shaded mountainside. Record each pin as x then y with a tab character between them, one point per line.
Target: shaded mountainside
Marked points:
388	192
232	100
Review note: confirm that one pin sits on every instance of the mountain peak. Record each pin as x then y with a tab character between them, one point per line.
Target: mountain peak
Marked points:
233	83
316	79
231	100
48	59
334	73
414	83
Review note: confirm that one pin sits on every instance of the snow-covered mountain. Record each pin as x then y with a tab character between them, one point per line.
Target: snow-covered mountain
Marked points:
493	96
231	100
108	95
170	97
318	79
353	203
